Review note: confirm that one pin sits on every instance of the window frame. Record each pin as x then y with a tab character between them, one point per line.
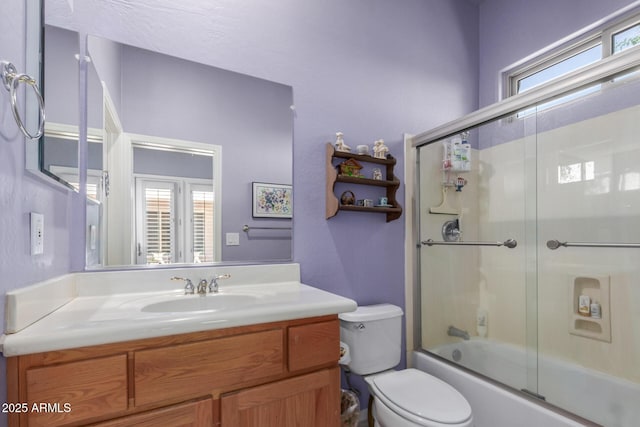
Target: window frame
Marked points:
190	187
546	62
170	144
182	216
141	184
602	34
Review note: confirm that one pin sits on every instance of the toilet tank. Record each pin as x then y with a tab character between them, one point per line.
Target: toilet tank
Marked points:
373	334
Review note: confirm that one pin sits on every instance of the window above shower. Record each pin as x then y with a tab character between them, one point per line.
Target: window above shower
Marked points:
609	37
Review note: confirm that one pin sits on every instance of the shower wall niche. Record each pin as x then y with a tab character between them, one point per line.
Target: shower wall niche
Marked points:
597	289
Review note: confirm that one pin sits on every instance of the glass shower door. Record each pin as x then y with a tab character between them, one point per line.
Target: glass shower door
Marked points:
588	222
558	314
478	253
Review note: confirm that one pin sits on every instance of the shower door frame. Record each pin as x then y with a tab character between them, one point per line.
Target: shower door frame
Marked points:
600	72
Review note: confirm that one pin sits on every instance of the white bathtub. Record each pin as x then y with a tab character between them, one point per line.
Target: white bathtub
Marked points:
604	399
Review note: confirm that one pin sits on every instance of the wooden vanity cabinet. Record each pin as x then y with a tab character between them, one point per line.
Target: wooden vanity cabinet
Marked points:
269	375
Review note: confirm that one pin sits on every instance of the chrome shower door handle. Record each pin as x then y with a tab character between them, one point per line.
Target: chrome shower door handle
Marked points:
509	243
555	244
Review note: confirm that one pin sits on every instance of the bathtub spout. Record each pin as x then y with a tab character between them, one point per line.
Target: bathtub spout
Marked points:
455	332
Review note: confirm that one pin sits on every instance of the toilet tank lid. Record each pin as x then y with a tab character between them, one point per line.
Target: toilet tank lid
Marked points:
372	312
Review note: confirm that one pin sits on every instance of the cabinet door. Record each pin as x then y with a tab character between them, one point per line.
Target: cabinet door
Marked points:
190	414
311	400
314	345
77	391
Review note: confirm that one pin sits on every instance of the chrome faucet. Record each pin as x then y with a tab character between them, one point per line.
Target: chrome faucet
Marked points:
188	288
202	287
213	285
455	332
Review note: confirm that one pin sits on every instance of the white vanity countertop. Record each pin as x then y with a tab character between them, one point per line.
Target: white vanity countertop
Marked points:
92	318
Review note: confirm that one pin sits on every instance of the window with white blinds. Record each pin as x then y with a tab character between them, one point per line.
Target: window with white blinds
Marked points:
202	225
158	225
175	220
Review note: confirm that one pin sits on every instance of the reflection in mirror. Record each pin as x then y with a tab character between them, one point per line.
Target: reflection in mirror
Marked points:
59	145
174	148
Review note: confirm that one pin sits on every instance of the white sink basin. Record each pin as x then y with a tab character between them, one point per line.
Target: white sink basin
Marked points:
210	302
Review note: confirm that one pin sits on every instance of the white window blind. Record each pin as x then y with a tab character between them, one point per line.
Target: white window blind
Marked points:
158	225
202	226
175	220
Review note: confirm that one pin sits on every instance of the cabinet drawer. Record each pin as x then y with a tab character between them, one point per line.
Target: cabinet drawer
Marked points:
191	414
77	391
207	367
313	345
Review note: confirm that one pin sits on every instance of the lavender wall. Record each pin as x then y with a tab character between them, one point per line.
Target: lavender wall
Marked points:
21	193
372	69
511	30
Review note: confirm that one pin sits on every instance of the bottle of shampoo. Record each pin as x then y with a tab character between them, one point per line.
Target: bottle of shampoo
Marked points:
584	303
461	156
482	316
595	310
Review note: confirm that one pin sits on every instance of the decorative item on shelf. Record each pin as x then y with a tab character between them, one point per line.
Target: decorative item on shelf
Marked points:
367	203
340	145
350	167
460	182
347	198
383	202
377	174
380	150
363	150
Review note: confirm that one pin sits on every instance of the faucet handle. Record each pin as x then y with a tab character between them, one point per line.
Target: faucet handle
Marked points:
188	288
213	285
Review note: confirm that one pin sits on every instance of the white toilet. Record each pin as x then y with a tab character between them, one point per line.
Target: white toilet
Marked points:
406	398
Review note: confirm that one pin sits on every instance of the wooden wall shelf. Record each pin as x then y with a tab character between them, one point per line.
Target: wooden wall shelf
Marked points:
390	183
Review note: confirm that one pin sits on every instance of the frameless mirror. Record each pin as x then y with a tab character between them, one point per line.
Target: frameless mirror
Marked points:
175	149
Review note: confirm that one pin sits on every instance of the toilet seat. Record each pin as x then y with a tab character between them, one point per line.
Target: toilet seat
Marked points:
421	398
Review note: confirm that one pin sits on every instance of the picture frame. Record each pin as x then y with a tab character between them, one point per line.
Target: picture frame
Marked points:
272	200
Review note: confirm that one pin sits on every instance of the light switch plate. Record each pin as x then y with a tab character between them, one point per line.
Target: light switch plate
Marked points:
233	239
37	233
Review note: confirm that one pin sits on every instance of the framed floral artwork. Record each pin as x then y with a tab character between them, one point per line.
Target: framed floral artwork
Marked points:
272	200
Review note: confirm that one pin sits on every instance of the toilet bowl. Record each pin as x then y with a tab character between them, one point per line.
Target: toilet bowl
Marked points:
404	398
412	398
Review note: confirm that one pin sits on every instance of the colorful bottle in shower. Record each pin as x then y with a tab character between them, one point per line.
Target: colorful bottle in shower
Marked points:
460	156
